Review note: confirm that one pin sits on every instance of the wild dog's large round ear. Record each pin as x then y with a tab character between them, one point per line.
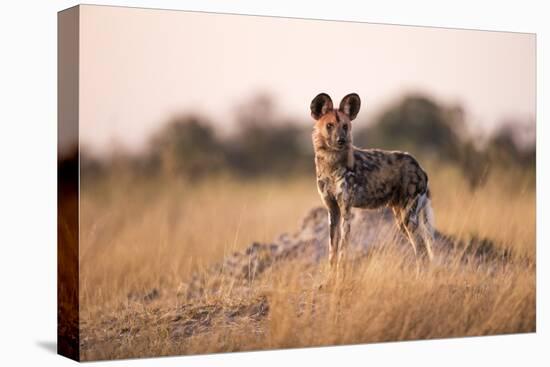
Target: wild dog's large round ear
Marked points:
320	105
350	105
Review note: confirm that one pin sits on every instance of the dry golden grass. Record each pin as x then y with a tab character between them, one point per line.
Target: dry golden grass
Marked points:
141	241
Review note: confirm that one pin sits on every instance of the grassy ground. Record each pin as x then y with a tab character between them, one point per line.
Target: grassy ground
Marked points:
141	241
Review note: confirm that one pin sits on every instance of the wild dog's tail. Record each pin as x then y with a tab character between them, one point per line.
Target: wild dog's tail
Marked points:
426	221
426	213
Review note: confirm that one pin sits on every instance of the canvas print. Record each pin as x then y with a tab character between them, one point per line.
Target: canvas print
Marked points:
234	183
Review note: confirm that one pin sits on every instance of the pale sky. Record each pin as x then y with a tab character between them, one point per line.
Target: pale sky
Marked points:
140	67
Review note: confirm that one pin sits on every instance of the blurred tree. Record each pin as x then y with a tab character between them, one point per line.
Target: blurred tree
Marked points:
427	129
187	145
266	144
513	145
91	168
419	125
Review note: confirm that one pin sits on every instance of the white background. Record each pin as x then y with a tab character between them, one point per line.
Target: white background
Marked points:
28	182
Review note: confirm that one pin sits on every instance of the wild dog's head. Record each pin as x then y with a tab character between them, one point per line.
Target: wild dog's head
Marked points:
333	126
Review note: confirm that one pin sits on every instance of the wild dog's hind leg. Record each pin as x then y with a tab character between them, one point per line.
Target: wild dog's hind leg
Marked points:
399	215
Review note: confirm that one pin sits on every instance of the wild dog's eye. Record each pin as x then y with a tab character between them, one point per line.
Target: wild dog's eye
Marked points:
330	125
345	127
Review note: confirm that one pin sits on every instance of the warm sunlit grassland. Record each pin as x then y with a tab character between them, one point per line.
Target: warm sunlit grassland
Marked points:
139	236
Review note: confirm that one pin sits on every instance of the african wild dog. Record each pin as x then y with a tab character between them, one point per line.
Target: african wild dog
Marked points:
366	178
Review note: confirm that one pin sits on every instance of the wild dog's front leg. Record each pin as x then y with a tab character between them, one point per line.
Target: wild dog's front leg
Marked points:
345	230
334	230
